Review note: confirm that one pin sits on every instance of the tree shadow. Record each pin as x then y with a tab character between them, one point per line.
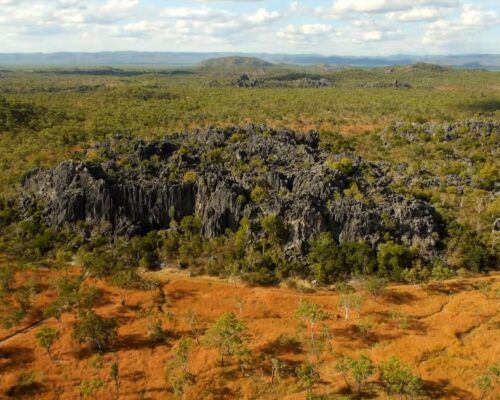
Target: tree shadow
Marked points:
138	342
28	391
222	393
123	343
448	288
282	345
181	294
490	105
134	376
443	390
15	357
366	393
367	338
398	297
104	299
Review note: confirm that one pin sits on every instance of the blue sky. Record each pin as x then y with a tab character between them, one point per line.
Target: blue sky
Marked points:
331	27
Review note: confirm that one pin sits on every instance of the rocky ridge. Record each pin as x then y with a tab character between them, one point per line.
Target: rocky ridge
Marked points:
245	81
415	132
224	175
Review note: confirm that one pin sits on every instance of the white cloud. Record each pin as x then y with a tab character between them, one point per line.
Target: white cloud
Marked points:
193	13
120	5
416	14
473	15
362	26
262	16
384	6
472	21
307	34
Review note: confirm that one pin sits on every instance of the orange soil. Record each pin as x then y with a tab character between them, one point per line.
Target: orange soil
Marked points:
451	336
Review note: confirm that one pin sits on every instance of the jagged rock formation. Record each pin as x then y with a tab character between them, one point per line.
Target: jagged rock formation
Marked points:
442	132
387	85
305	82
245	81
223	175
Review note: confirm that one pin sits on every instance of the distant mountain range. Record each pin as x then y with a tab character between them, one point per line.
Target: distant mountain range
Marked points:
123	58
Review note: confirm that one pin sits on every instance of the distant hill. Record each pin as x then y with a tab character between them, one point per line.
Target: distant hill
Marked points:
235	62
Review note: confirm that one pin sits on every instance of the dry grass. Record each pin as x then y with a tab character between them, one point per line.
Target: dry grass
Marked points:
448	331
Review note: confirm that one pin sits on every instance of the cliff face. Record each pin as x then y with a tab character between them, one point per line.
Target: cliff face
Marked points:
223	175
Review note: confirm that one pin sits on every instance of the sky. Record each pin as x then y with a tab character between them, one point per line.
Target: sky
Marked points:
329	27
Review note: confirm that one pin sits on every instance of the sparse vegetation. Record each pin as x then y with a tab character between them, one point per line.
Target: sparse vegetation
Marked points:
227	335
98	331
47	337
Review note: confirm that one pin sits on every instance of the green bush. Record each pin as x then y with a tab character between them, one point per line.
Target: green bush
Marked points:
227	335
190	177
392	259
98	331
398	378
329	261
258	194
345	165
465	249
46	337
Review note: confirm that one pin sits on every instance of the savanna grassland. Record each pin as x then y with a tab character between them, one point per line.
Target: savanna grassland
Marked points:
172	315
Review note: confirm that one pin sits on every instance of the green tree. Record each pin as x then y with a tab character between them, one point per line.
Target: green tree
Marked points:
398	378
46	337
227	334
6	279
196	324
98	331
327	260
181	354
274	229
312	313
308	377
179	381
350	301
115	376
178	375
323	257
343	366
392	259
361	369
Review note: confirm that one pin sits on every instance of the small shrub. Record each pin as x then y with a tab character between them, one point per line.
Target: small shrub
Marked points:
156	332
375	286
258	194
345	165
190	177
308	377
88	388
440	272
484	384
46	337
351	301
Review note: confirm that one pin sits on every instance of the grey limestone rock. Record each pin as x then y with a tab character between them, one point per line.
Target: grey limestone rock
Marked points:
141	185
